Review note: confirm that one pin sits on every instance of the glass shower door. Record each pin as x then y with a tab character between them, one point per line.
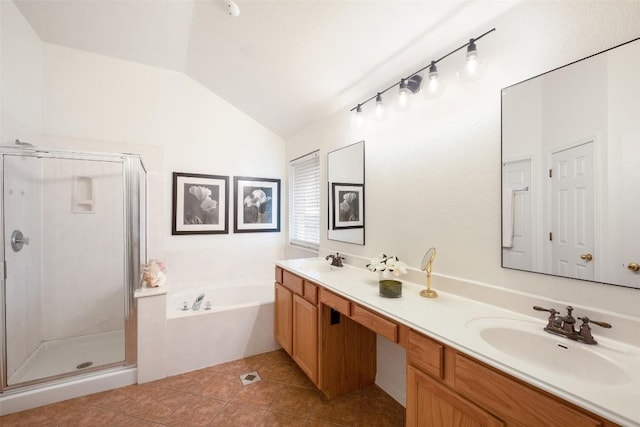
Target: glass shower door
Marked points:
65	293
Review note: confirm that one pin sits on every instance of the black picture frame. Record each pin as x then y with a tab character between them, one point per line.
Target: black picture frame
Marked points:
200	204
256	205
348	205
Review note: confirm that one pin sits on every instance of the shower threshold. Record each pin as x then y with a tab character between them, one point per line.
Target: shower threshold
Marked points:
63	356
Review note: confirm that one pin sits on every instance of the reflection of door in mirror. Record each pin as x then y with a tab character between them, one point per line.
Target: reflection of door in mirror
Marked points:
517	224
573	212
581	122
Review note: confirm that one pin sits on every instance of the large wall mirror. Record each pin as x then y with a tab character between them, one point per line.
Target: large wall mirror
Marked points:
345	174
571	170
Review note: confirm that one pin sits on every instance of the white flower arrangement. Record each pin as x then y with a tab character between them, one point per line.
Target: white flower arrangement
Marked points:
387	265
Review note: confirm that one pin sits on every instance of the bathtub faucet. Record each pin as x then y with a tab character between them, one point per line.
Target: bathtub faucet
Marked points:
197	302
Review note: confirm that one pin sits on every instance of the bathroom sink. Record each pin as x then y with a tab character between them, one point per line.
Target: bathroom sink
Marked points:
528	343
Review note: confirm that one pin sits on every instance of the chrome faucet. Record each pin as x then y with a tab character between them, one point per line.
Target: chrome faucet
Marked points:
336	260
565	325
197	302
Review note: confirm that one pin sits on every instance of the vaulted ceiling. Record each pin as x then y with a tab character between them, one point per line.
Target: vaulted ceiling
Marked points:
283	63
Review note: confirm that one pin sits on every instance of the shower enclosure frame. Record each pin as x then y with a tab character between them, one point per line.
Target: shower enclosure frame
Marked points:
135	244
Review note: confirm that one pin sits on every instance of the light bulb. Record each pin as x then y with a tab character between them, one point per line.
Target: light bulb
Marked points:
380	110
435	85
404	97
358	117
474	66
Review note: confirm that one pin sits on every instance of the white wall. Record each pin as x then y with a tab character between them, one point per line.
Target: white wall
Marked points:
120	103
20	78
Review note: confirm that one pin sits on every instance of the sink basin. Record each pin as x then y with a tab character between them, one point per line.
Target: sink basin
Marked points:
530	344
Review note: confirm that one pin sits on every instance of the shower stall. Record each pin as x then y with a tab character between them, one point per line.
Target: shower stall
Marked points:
74	237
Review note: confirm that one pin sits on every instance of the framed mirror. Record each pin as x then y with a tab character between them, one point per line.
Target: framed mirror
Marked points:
345	176
571	170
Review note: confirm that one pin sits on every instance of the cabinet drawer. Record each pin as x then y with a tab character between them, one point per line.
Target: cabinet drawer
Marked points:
425	354
311	292
376	323
336	302
512	400
278	275
292	282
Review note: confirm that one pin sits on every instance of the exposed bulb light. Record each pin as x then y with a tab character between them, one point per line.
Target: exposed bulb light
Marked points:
474	66
472	69
358	118
380	110
233	8
434	86
404	96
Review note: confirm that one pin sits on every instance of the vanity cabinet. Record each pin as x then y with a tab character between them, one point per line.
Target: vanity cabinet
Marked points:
296	321
283	317
446	387
305	336
333	340
335	352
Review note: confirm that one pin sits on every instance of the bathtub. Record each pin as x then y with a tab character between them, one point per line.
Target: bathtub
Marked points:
238	324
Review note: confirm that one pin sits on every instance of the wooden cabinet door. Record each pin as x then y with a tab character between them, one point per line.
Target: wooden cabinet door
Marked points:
283	323
432	404
305	336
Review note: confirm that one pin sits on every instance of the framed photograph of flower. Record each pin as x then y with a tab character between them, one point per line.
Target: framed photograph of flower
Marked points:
200	204
257	205
348	205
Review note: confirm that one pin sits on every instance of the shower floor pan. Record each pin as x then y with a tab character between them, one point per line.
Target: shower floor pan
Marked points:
69	355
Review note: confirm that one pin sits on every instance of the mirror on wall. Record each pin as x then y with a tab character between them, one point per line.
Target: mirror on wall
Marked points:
345	176
571	170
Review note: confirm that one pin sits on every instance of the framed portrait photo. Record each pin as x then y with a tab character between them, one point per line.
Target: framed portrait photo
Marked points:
257	205
348	205
200	204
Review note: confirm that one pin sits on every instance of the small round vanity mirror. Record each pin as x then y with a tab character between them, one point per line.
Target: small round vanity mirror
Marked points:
426	266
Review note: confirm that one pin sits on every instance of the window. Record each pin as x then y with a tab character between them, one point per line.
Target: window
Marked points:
304	196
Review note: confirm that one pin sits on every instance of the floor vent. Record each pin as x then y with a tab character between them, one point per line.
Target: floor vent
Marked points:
250	378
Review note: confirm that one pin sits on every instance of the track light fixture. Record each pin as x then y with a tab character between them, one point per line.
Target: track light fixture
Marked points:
410	85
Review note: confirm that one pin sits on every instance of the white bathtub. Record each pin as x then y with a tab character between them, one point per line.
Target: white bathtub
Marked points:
239	324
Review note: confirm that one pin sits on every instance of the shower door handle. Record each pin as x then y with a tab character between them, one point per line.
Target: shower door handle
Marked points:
18	240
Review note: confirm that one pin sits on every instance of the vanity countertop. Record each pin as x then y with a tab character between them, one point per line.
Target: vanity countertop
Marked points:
447	319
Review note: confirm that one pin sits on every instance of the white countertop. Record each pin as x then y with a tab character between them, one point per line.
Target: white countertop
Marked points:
446	319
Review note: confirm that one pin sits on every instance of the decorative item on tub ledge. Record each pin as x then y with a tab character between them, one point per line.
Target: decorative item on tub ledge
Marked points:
153	274
387	266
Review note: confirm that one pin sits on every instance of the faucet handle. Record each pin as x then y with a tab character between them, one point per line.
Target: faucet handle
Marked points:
553	321
553	311
586	321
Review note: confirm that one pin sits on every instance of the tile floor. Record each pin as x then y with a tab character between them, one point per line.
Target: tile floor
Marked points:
215	396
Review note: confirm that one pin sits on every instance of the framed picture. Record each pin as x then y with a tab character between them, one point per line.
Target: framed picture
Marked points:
257	205
200	204
348	205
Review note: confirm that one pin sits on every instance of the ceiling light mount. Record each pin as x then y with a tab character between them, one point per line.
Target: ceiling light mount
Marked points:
233	8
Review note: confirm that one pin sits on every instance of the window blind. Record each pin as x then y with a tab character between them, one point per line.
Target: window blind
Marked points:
304	224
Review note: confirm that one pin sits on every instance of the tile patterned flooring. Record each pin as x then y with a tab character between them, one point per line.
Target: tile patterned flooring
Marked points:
215	396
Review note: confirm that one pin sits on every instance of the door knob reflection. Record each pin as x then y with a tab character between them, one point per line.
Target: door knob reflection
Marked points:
586	257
